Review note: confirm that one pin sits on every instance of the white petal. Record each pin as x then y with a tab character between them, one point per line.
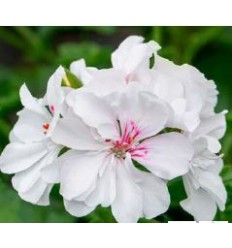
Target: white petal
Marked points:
132	52
29	184
92	109
44	199
214	126
77	208
213	184
217	166
105	190
18	157
106	81
199	145
29	127
168	155
55	95
191	121
51	173
34	194
28	101
182	118
213	144
79	171
73	133
128	204
83	73
161	85
200	205
24	180
149	113
13	138
156	198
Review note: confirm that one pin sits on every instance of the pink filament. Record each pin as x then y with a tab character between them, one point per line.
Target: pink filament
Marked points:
52	108
128	141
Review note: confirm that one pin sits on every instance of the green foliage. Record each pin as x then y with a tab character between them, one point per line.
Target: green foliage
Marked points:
31	54
93	53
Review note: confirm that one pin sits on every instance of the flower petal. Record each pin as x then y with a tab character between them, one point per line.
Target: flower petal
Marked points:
29	127
79	171
92	109
132	52
83	73
106	81
105	190
200	205
214	126
24	180
213	184
28	101
44	199
128	204
149	113
36	192
73	133
168	155
156	198
77	208
24	156
55	95
51	173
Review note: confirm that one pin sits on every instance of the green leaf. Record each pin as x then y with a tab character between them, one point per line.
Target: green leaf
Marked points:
70	80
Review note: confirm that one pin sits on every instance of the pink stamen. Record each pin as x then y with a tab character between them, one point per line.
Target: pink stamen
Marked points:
52	108
128	142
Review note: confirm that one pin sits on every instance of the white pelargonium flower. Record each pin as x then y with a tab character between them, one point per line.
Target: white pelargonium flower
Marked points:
132	58
184	88
106	136
31	148
120	153
130	63
203	183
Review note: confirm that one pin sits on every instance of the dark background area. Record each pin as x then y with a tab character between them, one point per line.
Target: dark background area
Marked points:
31	54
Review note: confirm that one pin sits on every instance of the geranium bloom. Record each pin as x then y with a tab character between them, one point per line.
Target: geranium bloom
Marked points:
31	148
183	87
106	136
128	130
203	183
130	63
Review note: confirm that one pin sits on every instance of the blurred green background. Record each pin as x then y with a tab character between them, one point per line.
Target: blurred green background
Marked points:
31	54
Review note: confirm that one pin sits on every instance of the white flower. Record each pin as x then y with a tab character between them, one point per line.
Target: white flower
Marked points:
130	63
132	57
203	183
187	91
184	88
106	135
31	148
191	97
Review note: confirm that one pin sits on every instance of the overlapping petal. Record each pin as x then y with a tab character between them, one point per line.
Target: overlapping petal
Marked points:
168	155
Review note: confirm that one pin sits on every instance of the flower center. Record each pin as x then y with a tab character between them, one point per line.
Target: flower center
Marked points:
128	143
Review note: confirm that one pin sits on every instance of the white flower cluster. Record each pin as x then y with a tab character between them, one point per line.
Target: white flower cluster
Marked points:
120	138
